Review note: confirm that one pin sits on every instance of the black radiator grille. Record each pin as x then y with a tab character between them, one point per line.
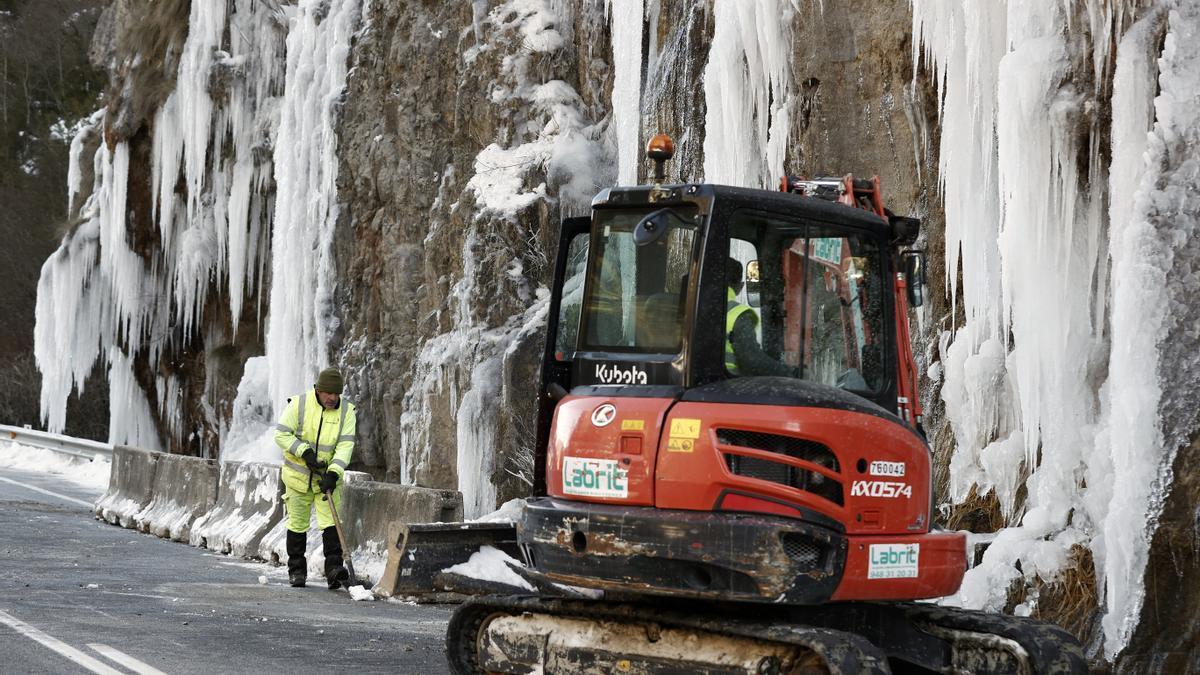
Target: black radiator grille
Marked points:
800	448
778	472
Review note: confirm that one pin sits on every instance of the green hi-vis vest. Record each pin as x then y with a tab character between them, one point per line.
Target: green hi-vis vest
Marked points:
733	310
303	420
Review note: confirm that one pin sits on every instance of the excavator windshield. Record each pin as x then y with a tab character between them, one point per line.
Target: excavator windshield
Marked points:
807	301
636	291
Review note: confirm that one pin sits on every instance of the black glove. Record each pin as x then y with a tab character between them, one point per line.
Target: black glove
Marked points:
310	458
329	481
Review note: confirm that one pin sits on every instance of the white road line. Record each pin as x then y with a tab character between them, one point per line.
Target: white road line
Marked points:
139	667
94	665
47	492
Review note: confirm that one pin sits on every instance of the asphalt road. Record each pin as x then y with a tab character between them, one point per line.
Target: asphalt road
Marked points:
80	596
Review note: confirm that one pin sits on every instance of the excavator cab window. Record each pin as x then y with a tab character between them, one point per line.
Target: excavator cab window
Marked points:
818	314
636	293
572	298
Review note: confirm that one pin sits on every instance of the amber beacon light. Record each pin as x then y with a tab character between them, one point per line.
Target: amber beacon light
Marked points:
660	149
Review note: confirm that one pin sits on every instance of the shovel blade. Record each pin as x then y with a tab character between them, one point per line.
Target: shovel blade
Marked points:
421	551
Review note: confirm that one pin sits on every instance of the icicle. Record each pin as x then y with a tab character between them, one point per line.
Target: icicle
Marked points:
626	20
302	269
1150	237
1041	249
746	91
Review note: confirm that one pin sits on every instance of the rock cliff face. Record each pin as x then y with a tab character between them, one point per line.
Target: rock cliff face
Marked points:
384	181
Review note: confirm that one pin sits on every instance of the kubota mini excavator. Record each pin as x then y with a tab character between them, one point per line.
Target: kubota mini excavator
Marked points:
716	503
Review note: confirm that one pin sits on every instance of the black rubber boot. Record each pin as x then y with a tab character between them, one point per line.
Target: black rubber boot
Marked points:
335	572
297	565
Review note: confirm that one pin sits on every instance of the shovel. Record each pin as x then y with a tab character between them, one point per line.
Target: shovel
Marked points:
337	522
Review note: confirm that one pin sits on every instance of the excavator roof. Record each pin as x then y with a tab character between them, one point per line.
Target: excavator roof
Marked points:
709	197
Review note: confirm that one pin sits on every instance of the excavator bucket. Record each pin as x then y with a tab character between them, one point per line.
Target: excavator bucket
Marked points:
419	553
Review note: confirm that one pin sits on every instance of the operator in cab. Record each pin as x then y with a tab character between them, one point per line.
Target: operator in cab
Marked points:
316	434
743	355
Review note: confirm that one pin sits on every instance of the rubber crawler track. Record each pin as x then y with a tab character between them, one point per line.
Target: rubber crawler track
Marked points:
1050	649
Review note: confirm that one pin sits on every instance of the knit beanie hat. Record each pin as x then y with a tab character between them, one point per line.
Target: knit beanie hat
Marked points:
330	381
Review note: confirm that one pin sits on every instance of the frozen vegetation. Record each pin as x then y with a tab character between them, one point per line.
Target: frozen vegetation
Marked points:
551	137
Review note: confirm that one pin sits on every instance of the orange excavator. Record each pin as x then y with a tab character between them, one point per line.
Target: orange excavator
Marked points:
731	471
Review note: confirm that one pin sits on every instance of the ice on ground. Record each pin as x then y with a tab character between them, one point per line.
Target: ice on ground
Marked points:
360	594
93	474
490	564
262	579
370	559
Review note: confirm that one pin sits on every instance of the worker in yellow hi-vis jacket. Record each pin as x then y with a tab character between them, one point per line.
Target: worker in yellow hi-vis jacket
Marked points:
316	434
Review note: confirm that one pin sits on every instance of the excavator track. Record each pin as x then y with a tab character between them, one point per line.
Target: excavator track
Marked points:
534	635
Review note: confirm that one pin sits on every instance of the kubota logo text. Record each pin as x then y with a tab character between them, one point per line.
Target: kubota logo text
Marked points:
609	374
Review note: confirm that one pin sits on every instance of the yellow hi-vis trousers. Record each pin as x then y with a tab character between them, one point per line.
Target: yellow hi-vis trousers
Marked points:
299	507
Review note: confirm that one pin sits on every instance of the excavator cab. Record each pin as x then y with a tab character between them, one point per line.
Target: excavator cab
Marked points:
789	449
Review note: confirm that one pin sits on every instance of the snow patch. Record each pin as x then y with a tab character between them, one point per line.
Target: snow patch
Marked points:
92	474
490	564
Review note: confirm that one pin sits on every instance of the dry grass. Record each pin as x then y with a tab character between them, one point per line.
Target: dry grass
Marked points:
977	513
1069	601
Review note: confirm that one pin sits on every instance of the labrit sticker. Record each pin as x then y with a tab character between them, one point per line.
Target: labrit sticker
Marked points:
685	428
894	561
633	425
680	445
594	478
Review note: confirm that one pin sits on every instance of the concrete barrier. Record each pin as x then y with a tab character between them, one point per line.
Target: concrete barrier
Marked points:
247	508
370	509
185	488
130	485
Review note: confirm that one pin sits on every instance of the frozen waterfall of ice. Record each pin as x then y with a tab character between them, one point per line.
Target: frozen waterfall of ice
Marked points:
747	85
626	21
97	298
1053	380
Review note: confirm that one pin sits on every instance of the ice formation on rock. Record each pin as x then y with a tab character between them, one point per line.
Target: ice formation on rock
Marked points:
747	91
551	134
1053	381
251	118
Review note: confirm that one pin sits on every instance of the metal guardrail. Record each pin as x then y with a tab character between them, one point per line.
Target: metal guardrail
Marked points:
68	445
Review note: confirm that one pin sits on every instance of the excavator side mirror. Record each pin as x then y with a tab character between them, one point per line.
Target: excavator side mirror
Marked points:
556	392
914	274
653	227
904	229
